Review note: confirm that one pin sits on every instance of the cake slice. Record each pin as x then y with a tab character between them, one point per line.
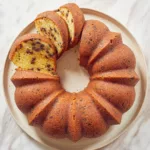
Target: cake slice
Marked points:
74	18
51	25
93	32
34	52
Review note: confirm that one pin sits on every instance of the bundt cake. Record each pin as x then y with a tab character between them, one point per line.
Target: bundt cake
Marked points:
39	94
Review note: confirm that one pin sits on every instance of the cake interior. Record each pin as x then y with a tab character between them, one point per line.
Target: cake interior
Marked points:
46	27
35	55
67	16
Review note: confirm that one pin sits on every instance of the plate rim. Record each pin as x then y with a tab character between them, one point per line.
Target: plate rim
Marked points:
85	10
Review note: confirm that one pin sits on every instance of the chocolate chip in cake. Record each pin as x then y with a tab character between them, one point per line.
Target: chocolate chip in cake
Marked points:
20	46
29	52
47	51
55	38
33	60
33	44
37	49
49	69
48	66
46	56
55	30
38	42
72	20
43	29
67	14
52	35
42	46
38	69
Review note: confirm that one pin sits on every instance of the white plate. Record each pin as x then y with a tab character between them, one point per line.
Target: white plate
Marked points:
74	79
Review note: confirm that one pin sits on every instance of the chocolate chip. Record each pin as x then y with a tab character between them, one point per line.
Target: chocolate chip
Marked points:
47	51
55	38
42	46
72	20
38	69
43	29
48	66
29	52
55	30
49	69
46	56
33	44
52	35
37	49
33	60
38	42
67	14
20	46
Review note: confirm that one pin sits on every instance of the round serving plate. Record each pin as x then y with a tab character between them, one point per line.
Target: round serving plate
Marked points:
74	78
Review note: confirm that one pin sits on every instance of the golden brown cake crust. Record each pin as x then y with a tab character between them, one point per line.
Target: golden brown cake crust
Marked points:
123	76
27	76
93	32
26	37
110	114
78	19
74	119
121	57
38	113
107	43
60	23
55	123
30	91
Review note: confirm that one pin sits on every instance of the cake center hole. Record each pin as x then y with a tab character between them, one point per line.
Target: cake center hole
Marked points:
74	78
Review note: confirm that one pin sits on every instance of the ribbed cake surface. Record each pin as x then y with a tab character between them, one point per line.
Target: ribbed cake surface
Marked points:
39	93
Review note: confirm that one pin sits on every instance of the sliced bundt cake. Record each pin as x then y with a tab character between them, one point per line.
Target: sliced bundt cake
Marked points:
39	94
74	18
51	25
34	52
